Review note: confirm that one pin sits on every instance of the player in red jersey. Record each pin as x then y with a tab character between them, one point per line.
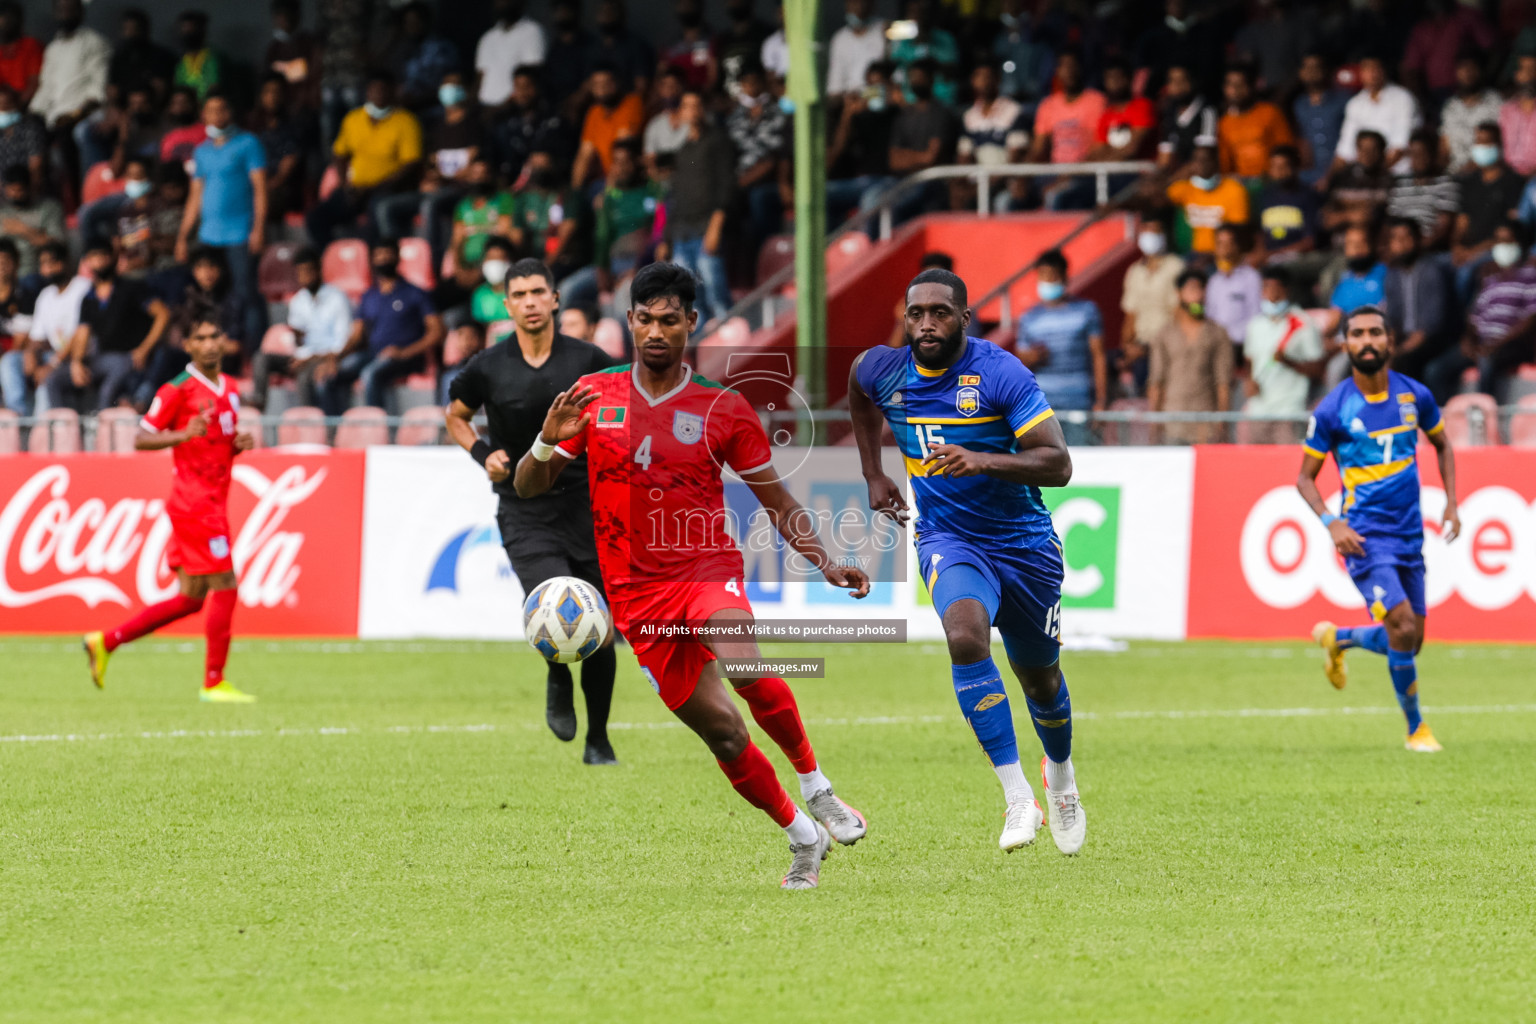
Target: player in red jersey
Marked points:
657	437
193	414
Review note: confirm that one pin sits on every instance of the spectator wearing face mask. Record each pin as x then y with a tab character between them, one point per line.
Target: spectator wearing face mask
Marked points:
1062	341
378	153
1208	199
1283	354
613	115
859	155
24	371
854	47
1473	104
121	322
147	223
1363	282
1190	365
1488	195
453	144
320	316
485	303
395	326
1500	332
1149	296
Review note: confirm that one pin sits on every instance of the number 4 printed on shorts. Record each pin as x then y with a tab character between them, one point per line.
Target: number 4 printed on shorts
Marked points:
732	587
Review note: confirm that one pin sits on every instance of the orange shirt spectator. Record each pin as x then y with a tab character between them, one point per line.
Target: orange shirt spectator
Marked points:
21	61
610	118
1246	138
1207	206
1072	125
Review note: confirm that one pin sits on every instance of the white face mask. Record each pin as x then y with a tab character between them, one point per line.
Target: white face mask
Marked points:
1151	243
1273	309
1506	254
495	271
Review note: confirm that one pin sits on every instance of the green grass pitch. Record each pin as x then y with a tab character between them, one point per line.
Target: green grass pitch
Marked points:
391	834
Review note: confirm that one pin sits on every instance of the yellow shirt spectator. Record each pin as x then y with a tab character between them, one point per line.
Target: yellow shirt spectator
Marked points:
378	149
1208	209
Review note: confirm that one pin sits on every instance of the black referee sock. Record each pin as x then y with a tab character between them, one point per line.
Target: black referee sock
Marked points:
597	673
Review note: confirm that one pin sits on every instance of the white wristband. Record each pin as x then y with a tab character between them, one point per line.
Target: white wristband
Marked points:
540	450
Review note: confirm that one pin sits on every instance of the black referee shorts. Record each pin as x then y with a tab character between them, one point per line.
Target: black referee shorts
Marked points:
549	536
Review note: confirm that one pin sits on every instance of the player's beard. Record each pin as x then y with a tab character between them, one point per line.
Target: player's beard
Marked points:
949	345
1368	362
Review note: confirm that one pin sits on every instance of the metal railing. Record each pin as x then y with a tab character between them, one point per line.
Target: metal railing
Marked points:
1112	426
760	304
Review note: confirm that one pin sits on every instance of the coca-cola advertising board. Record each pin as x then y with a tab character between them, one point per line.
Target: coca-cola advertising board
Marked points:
83	539
1263	565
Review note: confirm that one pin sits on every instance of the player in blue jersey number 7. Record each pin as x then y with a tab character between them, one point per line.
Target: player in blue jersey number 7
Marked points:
1371	424
979	441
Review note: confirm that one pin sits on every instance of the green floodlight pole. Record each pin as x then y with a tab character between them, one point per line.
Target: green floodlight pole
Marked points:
802	32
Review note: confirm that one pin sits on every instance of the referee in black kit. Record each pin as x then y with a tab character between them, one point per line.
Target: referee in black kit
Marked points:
550	535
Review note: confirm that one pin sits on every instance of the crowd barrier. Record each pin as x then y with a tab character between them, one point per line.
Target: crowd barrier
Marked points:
1161	543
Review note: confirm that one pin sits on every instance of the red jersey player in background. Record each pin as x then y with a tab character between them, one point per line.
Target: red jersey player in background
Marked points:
656	441
193	414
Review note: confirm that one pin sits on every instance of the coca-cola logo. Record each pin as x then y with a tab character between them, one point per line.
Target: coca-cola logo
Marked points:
88	545
1288	556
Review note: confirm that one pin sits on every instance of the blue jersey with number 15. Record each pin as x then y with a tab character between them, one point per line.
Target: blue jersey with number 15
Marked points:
1374	440
985	402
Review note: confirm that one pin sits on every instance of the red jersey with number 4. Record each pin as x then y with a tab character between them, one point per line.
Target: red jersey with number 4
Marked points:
654	468
200	465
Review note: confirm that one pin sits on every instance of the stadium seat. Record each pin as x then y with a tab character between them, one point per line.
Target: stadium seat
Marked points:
362	427
1522	425
279	340
345	265
56	432
421	425
248	421
115	430
274	275
846	252
302	424
609	337
100	182
1458	420
777	253
416	263
10	432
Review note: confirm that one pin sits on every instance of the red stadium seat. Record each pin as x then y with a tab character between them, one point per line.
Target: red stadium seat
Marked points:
279	340
416	263
362	427
1458	419
302	424
1522	425
345	265
100	182
330	181
274	275
248	421
116	429
847	252
421	425
777	253
10	432
57	432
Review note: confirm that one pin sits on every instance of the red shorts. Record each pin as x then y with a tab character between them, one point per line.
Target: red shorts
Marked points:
200	545
672	666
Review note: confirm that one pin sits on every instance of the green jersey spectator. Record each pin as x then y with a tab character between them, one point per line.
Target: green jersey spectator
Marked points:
481	214
486	304
199	68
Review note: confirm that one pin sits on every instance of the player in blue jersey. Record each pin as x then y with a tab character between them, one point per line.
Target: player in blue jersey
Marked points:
1371	424
979	441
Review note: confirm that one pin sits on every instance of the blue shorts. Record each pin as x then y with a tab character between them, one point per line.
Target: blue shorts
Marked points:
1387	582
1020	588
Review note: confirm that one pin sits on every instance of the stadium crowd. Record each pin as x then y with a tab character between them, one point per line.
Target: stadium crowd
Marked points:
1311	156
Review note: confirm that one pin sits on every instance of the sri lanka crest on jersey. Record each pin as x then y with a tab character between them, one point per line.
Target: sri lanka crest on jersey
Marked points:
967	401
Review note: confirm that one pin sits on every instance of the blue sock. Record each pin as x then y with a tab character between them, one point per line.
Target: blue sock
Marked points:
1053	723
1372	638
1405	680
984	702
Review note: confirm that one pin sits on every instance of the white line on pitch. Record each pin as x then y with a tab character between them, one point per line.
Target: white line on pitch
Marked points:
177	734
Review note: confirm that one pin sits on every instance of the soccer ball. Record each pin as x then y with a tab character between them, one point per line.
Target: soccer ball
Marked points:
565	619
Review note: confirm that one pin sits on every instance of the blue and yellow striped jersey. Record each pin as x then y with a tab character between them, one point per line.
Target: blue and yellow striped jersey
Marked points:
1374	440
984	402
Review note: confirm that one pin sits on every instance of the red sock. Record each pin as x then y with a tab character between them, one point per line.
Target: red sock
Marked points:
151	619
754	779
774	710
221	609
